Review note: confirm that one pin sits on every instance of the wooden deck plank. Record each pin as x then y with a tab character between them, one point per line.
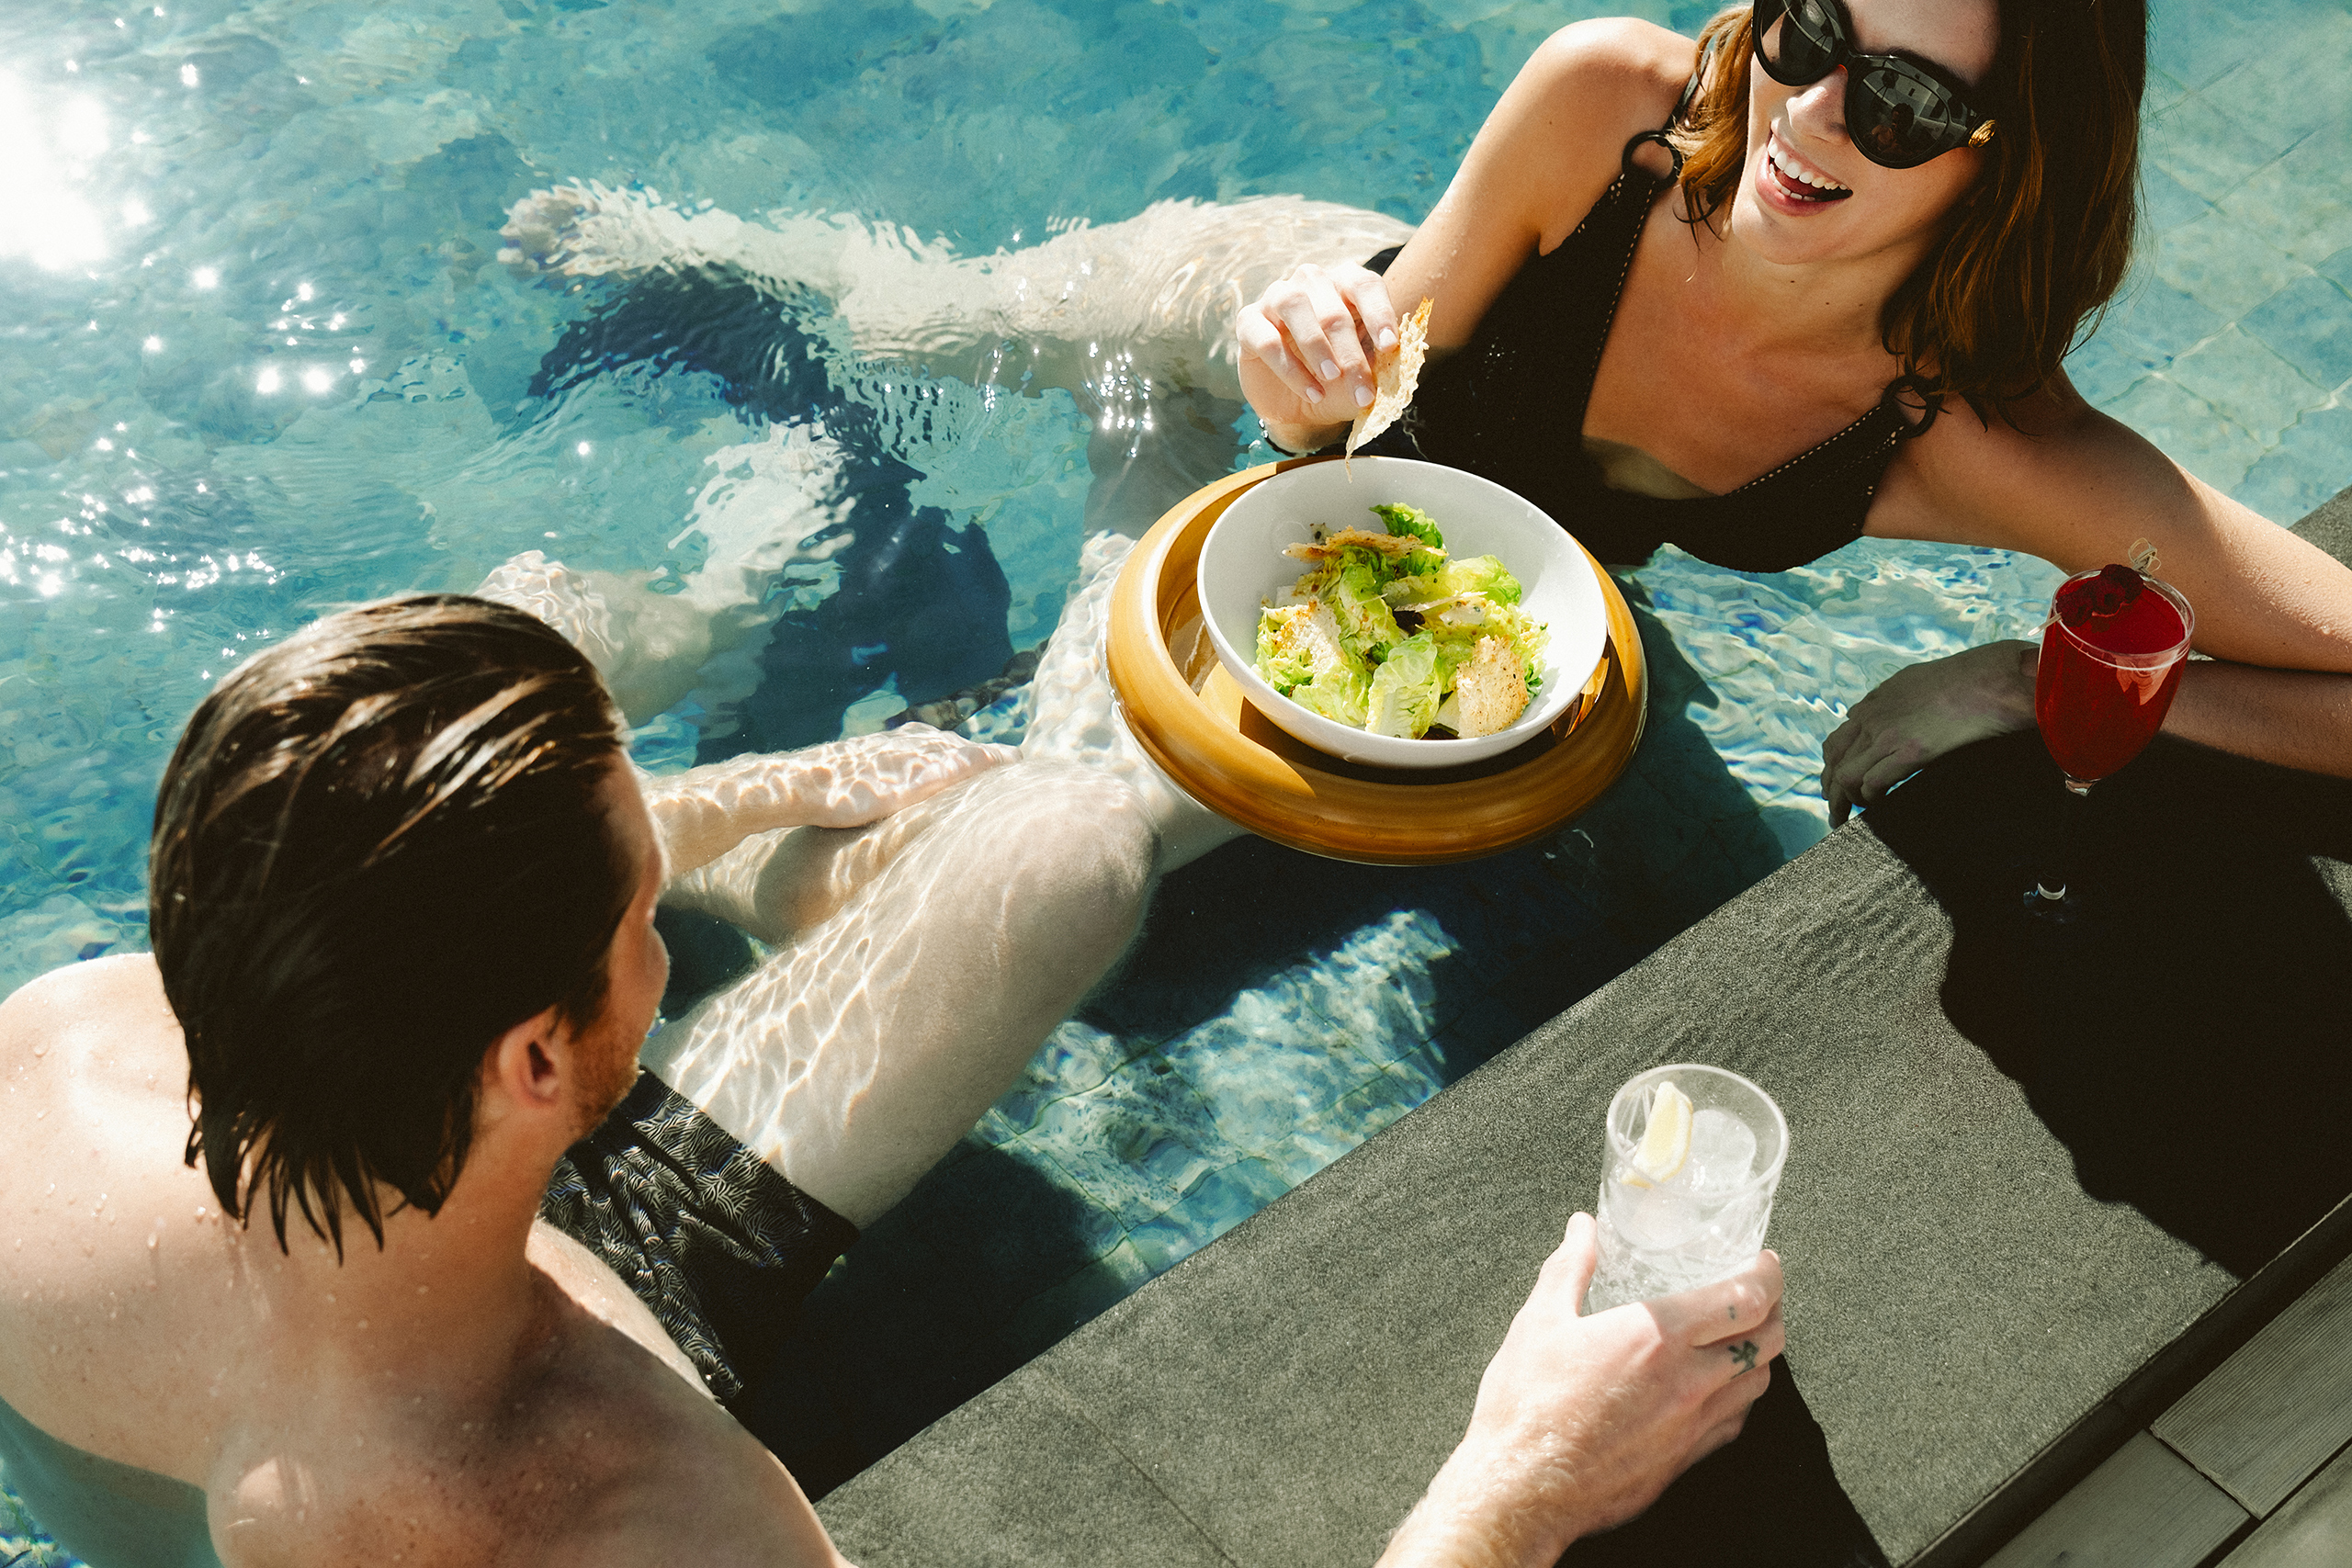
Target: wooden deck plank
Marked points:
2314	1528
2275	1412
2146	1507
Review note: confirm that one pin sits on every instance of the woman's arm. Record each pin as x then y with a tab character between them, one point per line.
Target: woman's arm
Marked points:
2080	490
1543	158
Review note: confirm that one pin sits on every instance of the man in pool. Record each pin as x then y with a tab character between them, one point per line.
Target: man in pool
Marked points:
345	1227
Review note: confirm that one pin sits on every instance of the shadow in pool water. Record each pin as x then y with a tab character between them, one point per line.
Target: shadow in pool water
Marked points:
920	604
2185	1039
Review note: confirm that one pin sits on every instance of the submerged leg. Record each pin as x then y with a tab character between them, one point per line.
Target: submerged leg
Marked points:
1075	716
1158	292
854	1058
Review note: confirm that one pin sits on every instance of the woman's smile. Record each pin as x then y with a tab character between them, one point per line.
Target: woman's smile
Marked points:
1788	184
1798	179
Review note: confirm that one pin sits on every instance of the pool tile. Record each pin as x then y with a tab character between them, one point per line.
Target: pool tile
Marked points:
2166	202
1131	1143
2206	152
2283	93
2163	90
2227	269
2310	465
1212	1205
2152	321
2309	325
2198	44
1075	1057
2191	431
1260	1076
2300	204
2337	268
2244	378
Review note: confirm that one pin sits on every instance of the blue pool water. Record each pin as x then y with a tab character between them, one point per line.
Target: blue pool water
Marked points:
260	359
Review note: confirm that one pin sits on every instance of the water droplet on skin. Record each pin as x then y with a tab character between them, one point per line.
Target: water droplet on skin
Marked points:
40	1048
152	1239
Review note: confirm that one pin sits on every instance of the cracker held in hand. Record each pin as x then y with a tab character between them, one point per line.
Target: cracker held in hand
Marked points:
1399	373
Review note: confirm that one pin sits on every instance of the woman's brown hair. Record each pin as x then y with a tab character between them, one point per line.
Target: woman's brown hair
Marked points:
2036	250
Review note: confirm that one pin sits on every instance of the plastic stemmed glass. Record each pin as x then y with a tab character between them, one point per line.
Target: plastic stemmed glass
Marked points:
2112	652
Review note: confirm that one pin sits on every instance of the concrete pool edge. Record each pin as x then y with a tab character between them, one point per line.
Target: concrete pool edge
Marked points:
1207	1423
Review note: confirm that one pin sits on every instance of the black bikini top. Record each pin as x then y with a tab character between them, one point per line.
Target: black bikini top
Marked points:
1510	404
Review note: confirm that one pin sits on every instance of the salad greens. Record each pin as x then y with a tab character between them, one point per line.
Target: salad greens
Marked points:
1385	632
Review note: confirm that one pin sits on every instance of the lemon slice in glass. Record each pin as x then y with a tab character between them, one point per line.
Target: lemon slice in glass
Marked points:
1665	1142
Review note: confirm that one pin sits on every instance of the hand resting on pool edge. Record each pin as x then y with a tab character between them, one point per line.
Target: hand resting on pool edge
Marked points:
402	903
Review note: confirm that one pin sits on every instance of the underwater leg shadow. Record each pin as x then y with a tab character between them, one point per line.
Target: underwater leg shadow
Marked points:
917	600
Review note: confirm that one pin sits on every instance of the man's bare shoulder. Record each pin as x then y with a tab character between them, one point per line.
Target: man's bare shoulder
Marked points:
101	1032
603	1457
79	990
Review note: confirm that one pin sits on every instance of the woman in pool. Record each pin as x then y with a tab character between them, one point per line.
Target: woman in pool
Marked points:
1857	214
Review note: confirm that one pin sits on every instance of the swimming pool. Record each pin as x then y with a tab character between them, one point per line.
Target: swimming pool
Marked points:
261	359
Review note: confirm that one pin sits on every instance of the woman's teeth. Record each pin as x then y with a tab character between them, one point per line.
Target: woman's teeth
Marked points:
1806	187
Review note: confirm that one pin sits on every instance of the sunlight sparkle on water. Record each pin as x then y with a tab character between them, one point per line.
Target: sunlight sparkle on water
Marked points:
267	382
50	146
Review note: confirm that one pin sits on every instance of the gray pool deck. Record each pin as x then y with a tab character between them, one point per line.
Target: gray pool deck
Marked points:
2060	1224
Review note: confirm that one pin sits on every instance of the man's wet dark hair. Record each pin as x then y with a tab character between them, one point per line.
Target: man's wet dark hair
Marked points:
377	847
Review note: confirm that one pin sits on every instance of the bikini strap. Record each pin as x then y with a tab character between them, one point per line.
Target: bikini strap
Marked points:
1626	162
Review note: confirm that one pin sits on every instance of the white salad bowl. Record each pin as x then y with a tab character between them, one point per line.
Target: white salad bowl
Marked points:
1242	567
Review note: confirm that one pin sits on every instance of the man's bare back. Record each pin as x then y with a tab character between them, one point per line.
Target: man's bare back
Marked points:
453	1398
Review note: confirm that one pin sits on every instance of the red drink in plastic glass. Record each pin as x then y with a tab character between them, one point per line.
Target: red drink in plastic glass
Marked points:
2111	658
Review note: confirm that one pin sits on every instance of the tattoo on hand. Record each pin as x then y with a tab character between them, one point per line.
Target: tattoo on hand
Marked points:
1745	1354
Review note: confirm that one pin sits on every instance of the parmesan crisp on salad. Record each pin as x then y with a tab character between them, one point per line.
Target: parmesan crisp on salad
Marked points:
1385	633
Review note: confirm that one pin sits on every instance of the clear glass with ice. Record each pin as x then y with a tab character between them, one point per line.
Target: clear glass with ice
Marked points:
1703	1222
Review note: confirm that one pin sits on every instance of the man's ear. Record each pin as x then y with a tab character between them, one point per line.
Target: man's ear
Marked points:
527	1063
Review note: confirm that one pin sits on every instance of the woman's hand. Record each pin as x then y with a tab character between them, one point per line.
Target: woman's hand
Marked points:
1918	713
1308	349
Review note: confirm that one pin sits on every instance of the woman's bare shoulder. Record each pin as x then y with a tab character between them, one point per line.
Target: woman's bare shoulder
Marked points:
1585	91
1594	79
1618	56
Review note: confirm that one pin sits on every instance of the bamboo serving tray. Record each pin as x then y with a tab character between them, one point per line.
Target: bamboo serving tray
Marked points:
1193	719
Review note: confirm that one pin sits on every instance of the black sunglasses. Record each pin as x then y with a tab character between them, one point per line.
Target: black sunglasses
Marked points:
1900	113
